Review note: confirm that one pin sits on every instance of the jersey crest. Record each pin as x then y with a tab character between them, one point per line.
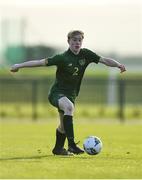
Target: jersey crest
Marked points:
82	62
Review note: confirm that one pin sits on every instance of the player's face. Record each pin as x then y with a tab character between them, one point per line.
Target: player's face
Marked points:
75	43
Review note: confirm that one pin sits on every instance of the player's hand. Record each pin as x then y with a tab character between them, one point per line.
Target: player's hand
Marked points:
14	68
122	68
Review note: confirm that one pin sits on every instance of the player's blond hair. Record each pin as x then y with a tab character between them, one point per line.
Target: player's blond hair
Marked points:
74	33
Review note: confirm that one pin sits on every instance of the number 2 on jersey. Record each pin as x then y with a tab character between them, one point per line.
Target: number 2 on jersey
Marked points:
75	71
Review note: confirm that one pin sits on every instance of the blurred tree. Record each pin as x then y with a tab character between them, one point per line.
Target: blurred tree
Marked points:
40	51
14	54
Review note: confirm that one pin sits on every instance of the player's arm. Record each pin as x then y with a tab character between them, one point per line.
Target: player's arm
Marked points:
112	63
28	64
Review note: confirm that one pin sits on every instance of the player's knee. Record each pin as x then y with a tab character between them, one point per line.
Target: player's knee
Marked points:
66	105
69	109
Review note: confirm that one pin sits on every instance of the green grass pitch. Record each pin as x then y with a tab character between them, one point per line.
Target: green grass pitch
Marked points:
25	152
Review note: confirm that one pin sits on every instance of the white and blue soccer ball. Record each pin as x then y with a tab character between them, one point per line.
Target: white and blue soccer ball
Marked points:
92	145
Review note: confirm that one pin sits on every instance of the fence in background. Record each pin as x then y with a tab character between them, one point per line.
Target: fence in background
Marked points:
98	92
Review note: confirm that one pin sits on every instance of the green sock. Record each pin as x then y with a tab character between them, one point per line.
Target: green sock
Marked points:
68	126
60	140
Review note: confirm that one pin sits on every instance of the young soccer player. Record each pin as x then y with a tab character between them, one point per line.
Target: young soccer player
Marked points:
71	66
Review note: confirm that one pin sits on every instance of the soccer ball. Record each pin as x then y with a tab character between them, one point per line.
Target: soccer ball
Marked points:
92	145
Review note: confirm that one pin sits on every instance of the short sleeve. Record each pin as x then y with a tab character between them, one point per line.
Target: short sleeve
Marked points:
55	60
91	56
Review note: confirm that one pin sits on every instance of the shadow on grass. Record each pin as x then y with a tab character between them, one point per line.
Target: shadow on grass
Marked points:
36	158
25	158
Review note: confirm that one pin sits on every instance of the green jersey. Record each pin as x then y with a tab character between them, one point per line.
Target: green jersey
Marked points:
70	70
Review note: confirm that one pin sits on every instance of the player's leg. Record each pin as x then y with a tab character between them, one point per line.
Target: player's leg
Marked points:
60	133
68	107
61	126
60	137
